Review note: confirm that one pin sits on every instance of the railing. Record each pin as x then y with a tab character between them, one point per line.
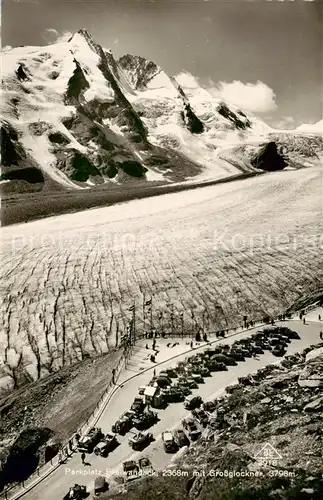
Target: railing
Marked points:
66	450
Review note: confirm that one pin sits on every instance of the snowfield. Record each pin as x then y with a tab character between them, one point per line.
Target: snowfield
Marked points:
248	247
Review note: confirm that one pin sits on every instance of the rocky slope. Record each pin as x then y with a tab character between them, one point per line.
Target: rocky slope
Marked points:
278	409
73	117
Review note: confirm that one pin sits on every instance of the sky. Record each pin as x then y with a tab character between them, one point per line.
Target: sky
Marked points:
265	56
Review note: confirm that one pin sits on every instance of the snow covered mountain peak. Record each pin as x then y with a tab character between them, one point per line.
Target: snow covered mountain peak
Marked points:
73	116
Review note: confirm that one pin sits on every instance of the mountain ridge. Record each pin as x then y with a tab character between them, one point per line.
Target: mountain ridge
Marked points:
75	116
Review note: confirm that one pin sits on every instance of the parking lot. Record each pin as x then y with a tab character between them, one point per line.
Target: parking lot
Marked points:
57	484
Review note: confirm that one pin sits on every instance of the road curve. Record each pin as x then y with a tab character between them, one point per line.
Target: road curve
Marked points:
57	484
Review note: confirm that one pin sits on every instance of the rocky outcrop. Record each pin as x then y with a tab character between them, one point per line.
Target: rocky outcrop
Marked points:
268	158
23	457
77	85
12	151
31	174
192	122
139	71
240	123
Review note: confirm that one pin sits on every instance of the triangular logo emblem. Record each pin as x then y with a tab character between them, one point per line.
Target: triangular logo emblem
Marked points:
268	452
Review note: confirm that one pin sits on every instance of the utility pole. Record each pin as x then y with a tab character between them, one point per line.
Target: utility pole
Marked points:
182	324
134	322
172	318
144	313
151	316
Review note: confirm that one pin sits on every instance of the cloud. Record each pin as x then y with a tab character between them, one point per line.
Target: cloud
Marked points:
255	97
187	81
51	35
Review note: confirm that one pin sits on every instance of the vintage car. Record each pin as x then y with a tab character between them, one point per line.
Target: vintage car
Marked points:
215	366
236	354
190	426
173	394
224	358
201	416
169	443
145	420
210	406
145	466
76	492
130	470
180	438
140	440
106	445
100	485
279	350
138	405
192	402
186	391
124	423
87	443
188	381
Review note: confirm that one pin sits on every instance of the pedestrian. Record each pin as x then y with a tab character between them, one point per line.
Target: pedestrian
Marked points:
154	344
321	335
304	320
83	457
154	372
70	445
319	317
191	344
147	346
113	375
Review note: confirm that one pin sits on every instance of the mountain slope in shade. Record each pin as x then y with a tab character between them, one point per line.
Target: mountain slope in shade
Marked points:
74	117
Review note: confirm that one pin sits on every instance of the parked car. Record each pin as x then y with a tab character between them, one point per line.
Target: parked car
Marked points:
224	358
145	466
140	440
210	406
87	443
192	402
171	372
188	382
180	438
279	350
169	443
273	341
145	420
215	366
190	426
76	492
141	390
130	470
186	391
138	405
201	416
107	444
100	485
256	349
124	423
173	394
245	380
236	354
197	377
